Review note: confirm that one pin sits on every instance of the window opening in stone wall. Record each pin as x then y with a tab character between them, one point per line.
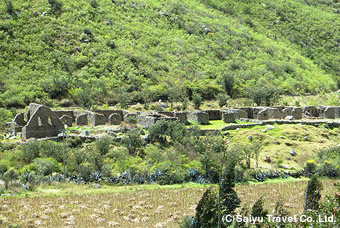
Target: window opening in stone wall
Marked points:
39	122
49	121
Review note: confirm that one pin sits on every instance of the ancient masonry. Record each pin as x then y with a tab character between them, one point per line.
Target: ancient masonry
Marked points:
40	121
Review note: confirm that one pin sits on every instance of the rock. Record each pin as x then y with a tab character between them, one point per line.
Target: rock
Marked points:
107	23
289	118
142	132
44	13
163	105
276	142
226	133
146	138
13	137
97	185
35	14
282	137
283	167
270	126
62	135
288	144
84	133
250	138
264	131
293	153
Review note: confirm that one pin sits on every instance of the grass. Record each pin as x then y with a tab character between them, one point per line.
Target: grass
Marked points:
137	206
305	140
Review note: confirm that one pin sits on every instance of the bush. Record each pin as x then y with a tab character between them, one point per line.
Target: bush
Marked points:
55	6
133	142
310	167
263	95
222	99
46	166
197	100
85	169
103	145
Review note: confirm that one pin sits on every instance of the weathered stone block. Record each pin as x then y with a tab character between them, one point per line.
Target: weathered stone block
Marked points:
182	117
248	111
82	120
95	119
68	120
214	114
269	113
200	117
273	113
310	111
229	117
115	119
297	113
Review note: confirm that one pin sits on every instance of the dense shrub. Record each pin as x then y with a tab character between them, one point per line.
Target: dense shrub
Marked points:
46	166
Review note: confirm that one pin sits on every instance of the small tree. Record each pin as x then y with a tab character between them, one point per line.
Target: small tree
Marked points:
229	200
197	100
10	176
133	142
222	99
313	193
206	210
55	6
258	210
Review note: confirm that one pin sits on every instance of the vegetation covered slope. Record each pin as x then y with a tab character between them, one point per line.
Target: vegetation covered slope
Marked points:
95	50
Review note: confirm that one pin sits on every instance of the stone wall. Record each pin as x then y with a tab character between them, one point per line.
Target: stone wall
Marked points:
214	114
67	120
182	117
70	113
95	119
82	120
200	117
115	119
42	123
107	113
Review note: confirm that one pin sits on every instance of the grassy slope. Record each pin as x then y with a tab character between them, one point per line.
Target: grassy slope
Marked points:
158	51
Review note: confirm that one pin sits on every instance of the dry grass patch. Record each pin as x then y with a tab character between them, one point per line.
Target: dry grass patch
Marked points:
141	208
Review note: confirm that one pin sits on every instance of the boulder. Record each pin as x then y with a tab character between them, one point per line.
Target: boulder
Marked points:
293	153
289	117
329	112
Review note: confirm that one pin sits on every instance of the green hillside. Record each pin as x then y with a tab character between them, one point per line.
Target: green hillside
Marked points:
98	51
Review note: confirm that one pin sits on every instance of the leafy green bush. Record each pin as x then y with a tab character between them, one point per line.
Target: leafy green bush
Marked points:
197	100
46	166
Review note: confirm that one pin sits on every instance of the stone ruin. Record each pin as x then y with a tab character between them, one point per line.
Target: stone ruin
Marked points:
40	121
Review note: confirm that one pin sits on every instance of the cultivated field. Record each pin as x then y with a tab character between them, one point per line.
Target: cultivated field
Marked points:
137	206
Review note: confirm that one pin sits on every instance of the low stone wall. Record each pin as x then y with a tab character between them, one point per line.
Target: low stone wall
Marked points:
314	123
70	113
107	113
